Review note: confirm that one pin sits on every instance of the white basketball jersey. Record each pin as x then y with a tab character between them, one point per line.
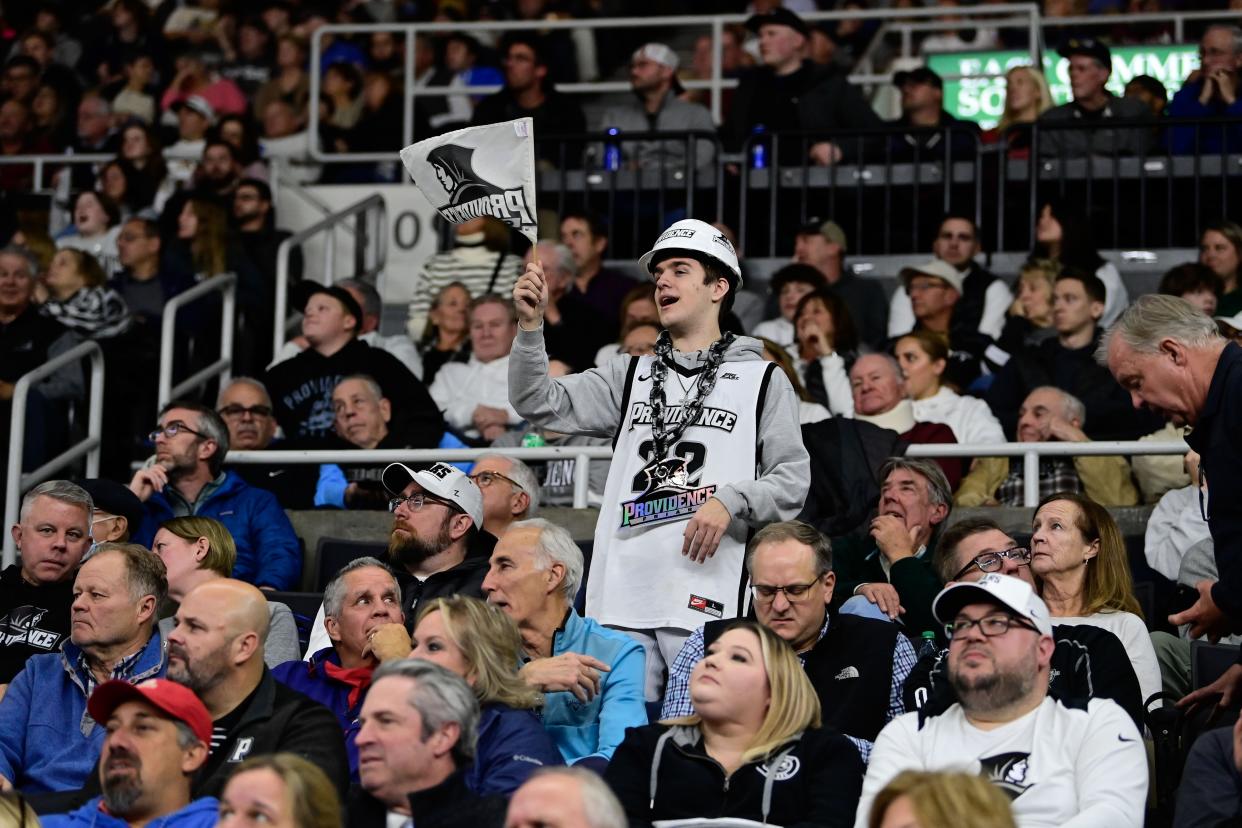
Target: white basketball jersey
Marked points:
638	576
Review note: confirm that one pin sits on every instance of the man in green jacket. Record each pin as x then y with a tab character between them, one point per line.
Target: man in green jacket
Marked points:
894	577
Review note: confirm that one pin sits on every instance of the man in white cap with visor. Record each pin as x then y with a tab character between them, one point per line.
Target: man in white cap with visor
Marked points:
657	107
437	547
1062	762
706	447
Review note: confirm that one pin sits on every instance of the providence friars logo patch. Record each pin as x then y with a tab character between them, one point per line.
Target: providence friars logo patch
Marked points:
470	196
1007	771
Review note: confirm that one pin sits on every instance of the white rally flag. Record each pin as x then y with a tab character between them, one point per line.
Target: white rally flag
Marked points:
479	171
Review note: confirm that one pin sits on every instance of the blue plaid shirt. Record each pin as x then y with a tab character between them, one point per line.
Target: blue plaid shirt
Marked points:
677	693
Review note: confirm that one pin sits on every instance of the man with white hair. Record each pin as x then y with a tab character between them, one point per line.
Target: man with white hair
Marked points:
658	107
1060	762
592	677
1047	415
573	329
880	398
1171	359
565	798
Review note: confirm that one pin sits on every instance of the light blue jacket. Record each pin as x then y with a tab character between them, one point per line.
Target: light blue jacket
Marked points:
48	742
595	728
201	813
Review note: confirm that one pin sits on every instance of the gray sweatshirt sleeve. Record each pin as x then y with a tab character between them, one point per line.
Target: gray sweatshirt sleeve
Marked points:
784	475
282	636
588	403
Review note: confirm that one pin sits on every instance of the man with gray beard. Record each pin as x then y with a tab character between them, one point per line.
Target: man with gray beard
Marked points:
437	547
1061	762
159	735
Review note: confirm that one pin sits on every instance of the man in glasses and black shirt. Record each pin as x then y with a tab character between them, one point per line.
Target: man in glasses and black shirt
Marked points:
246	408
1087	661
858	665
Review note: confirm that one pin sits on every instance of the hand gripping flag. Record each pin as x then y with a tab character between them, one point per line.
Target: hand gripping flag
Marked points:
479	171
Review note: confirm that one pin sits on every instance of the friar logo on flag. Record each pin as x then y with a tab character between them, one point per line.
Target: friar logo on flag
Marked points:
479	171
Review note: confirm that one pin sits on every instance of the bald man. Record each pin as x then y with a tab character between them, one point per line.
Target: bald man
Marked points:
216	650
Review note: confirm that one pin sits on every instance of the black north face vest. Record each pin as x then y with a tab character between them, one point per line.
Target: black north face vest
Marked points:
851	669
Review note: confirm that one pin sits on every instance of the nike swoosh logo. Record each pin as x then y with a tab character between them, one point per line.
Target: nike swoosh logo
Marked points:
274	473
644	378
1121	738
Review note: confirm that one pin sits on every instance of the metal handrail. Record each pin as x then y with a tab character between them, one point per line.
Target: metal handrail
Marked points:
582	456
329	225
15	482
1030	452
714	23
224	284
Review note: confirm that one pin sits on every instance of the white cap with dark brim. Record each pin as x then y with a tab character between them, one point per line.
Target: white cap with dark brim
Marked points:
442	480
1014	594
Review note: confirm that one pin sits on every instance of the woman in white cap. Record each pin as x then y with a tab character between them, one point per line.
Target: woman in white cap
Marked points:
708	445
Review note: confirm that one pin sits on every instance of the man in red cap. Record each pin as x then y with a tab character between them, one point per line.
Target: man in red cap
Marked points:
159	735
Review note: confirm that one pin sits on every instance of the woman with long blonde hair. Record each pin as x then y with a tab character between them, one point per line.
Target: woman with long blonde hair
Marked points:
1079	560
751	750
919	799
481	644
1027	96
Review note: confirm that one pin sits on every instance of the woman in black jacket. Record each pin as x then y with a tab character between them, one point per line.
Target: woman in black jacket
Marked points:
752	750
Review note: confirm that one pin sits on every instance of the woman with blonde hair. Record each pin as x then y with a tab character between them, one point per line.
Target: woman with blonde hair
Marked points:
196	550
1080	564
1029	320
919	799
1027	96
752	749
282	790
79	297
481	644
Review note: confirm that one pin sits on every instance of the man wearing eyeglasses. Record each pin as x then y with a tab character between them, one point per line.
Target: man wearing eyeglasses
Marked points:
246	408
857	665
437	548
1088	662
188	478
510	491
1210	92
1061	762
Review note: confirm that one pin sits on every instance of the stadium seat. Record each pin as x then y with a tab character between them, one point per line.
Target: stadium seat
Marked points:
334	553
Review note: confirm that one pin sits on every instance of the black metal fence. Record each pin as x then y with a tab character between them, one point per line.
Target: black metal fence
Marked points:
1139	184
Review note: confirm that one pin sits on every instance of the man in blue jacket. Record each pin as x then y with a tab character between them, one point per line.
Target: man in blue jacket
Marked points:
47	740
362	597
187	478
592	677
1210	92
159	735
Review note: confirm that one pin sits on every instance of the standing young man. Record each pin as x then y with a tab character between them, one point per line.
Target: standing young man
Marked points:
706	446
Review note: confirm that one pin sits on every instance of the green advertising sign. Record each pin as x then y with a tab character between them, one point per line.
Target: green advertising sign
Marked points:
981	99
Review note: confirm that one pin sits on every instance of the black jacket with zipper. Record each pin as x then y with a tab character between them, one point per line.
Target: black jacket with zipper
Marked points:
816	780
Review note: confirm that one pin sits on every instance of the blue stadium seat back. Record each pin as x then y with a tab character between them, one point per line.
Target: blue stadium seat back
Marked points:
304	606
334	553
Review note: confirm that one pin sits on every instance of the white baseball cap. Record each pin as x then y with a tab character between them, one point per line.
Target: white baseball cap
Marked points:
443	481
937	269
658	53
1234	321
694	236
1012	593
